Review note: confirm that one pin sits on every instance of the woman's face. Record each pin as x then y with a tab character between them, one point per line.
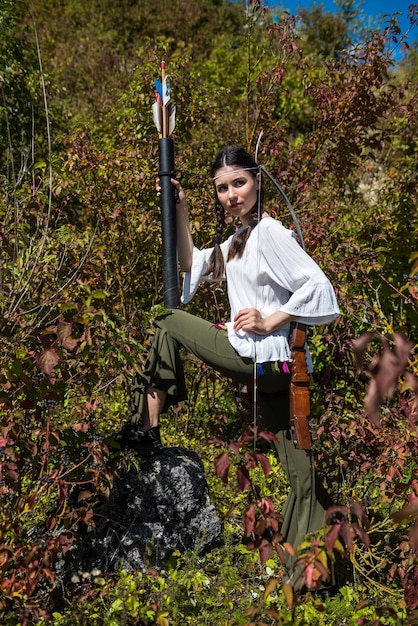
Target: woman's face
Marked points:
237	191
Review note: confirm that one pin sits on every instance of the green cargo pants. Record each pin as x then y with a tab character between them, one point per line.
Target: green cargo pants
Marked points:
164	370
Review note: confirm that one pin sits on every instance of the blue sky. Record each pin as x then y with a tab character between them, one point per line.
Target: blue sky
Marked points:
372	10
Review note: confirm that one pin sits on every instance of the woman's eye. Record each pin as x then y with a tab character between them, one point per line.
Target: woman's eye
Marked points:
239	182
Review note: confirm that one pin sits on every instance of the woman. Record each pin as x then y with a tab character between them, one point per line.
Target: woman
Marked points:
271	281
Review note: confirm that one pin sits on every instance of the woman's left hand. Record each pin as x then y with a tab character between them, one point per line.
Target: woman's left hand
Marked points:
250	321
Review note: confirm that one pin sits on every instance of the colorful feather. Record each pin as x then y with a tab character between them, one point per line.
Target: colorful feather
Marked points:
158	91
163	112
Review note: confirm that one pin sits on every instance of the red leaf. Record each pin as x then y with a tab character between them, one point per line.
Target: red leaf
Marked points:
358	511
64	335
267	506
267	435
372	403
65	541
403	347
346	534
243	477
6	554
393	471
49	574
289	548
31	500
222	464
361	534
265	551
80	427
87	516
62	490
234	447
245	438
216	441
281	552
83	495
11	469
250	460
47	360
411	594
260	527
309	571
413	534
331	537
288	594
386	369
360	346
47	340
249	519
336	514
264	462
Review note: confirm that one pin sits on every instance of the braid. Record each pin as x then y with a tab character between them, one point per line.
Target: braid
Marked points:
237	247
230	155
216	262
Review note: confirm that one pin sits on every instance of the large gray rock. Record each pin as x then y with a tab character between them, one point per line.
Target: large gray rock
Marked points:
152	511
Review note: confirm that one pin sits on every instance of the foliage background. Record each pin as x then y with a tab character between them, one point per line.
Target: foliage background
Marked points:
80	281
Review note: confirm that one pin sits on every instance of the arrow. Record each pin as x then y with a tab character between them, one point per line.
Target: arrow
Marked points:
163	113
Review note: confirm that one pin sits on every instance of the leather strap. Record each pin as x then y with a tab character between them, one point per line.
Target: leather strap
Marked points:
300	405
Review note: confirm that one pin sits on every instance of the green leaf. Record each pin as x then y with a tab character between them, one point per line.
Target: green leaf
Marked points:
98	294
117	606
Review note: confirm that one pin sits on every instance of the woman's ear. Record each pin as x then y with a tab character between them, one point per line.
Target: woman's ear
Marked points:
257	181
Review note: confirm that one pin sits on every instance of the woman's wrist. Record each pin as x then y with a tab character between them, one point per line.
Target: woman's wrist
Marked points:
181	207
277	320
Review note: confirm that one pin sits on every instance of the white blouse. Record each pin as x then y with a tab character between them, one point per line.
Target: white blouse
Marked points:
273	274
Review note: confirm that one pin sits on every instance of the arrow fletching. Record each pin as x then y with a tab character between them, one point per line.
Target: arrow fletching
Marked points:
157	116
163	111
158	91
171	118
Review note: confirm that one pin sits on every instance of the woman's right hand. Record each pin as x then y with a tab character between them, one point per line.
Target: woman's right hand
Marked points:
181	196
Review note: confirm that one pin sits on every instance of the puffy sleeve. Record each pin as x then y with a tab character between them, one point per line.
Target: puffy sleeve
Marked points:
198	272
312	299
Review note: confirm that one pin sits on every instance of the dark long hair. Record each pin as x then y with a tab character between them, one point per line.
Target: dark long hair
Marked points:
238	157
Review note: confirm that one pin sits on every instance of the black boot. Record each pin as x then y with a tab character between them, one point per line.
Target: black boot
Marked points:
144	443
